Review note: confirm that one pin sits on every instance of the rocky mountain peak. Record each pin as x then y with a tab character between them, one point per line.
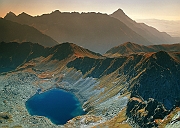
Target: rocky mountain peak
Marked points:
119	11
23	14
10	15
126	48
148	32
70	49
129	44
120	15
56	12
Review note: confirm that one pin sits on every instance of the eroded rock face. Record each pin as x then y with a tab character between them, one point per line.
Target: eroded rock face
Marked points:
145	113
160	81
175	120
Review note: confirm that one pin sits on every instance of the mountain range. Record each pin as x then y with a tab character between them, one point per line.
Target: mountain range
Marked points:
147	79
136	83
85	29
93	29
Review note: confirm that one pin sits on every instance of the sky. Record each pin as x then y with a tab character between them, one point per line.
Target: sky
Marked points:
136	9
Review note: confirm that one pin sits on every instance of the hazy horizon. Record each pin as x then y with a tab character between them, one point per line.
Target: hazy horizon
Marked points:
169	26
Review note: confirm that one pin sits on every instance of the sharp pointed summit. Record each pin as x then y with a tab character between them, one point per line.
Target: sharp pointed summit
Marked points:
10	15
120	11
120	15
24	14
149	33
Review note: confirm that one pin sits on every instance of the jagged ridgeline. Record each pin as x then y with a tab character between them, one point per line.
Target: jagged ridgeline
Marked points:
138	87
95	31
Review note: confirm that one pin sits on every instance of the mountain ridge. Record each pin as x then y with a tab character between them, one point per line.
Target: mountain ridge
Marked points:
132	48
148	32
84	29
12	31
21	53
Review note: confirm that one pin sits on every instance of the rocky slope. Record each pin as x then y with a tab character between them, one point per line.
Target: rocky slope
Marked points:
136	90
11	31
95	31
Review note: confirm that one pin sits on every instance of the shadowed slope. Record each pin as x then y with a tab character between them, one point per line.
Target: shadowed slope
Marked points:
11	31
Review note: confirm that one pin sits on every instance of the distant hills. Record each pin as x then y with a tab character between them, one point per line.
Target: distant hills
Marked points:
169	26
132	48
95	31
12	31
151	34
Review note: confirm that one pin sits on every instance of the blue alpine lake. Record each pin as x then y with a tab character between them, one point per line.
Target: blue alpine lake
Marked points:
57	105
